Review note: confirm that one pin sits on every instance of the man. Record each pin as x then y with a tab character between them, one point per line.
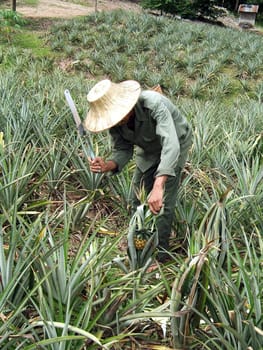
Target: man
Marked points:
149	123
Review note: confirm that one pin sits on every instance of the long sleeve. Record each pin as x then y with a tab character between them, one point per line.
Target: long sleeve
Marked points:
163	134
122	150
166	130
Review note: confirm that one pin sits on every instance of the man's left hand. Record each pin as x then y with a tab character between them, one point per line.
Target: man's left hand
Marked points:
155	199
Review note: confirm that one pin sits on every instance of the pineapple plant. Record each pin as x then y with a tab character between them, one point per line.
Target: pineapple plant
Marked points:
142	238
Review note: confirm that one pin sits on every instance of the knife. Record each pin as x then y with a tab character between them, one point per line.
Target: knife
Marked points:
81	131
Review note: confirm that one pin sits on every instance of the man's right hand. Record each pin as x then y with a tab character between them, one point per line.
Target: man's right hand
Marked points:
99	165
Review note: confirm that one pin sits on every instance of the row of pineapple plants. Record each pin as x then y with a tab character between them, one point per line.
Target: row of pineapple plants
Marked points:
58	272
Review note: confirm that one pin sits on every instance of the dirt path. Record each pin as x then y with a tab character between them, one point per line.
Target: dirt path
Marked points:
64	9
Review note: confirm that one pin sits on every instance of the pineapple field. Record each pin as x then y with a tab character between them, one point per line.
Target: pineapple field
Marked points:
73	262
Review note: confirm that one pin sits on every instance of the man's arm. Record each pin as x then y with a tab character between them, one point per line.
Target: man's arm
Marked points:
122	150
155	199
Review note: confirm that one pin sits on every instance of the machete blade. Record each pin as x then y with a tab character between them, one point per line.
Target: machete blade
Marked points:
78	122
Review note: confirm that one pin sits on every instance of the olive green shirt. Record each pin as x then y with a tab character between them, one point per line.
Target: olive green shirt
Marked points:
161	136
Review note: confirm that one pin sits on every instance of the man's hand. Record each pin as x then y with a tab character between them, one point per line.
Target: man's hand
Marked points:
99	165
155	199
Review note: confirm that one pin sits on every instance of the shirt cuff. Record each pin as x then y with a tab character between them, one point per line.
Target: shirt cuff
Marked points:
163	171
115	171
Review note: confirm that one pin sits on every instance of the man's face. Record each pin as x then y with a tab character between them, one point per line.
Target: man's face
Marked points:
126	118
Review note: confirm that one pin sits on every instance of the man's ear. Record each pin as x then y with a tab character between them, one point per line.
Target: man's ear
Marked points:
157	88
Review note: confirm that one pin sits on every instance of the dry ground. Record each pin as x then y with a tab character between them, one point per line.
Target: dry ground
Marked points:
64	9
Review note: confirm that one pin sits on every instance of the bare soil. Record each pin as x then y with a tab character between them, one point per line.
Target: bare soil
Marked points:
59	9
64	9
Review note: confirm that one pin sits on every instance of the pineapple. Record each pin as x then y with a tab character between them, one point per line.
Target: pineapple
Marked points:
140	239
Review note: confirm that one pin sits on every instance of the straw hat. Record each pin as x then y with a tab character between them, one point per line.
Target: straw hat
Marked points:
110	103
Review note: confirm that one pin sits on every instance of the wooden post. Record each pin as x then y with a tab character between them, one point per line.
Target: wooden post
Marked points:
236	5
13	5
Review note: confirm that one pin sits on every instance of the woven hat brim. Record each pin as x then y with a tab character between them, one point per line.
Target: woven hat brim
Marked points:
103	116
